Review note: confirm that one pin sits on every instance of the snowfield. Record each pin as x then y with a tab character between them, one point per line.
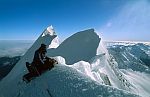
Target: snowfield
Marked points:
85	69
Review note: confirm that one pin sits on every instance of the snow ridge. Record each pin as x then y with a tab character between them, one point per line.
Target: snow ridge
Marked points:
80	46
84	70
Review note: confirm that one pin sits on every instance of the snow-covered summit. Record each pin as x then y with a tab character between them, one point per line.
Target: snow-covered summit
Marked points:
83	70
49	30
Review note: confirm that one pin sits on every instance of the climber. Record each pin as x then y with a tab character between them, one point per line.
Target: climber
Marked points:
40	64
40	58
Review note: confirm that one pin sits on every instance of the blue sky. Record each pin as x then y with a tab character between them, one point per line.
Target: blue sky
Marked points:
112	19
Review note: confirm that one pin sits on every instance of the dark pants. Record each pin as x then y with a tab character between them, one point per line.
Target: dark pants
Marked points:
36	69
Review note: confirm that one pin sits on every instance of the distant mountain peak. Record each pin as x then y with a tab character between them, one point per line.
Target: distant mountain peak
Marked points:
49	30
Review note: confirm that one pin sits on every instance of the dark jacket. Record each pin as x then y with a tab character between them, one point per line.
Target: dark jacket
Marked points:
38	57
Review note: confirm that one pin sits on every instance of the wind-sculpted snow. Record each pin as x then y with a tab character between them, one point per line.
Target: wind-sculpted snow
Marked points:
103	68
84	69
64	81
80	46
